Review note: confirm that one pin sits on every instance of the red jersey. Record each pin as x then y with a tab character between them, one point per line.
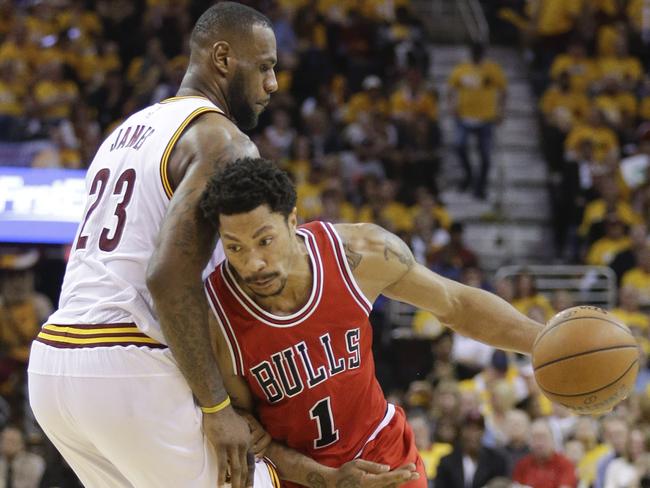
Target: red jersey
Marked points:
312	372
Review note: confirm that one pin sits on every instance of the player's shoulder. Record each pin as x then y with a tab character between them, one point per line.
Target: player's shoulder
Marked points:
212	129
212	135
362	237
366	243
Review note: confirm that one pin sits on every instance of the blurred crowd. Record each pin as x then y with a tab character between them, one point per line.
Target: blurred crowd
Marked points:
356	123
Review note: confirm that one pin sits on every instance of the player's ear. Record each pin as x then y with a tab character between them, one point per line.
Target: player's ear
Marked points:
292	220
222	57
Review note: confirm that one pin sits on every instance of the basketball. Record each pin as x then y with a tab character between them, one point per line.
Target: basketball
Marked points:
585	360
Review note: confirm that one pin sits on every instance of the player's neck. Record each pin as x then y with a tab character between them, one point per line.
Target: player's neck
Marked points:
193	85
297	290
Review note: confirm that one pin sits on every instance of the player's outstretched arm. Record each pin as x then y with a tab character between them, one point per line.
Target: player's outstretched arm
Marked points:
292	465
185	244
382	263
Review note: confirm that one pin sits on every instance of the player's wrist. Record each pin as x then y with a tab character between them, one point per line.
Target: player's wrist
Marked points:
216	407
329	475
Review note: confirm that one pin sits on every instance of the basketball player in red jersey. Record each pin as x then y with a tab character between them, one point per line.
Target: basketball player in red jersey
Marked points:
292	332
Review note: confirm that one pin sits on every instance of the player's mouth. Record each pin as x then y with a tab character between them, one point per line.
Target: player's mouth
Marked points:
262	283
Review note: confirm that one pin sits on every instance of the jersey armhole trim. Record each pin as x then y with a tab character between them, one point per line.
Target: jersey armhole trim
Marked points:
344	268
164	175
226	329
182	97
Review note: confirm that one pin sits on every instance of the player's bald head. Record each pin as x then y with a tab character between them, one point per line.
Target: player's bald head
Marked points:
226	21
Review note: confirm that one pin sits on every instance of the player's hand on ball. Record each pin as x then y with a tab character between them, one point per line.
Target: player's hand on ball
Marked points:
230	435
366	474
260	438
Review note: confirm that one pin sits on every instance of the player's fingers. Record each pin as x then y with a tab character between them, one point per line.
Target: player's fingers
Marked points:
237	467
250	460
396	477
260	445
222	466
408	467
370	467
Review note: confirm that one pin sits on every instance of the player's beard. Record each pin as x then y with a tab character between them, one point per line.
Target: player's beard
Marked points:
240	109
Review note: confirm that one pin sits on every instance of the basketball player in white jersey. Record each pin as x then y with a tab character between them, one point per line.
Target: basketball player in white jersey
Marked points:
122	377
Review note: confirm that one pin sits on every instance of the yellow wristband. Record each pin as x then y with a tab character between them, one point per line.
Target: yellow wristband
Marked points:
218	407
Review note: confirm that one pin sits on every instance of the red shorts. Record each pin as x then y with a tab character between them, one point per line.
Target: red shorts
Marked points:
395	446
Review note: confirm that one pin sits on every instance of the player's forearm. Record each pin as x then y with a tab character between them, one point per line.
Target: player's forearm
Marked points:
183	313
298	468
175	282
490	319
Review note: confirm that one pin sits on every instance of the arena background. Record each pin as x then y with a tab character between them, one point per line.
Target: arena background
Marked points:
382	105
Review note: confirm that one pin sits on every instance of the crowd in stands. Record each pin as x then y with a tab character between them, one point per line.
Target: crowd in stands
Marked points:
356	123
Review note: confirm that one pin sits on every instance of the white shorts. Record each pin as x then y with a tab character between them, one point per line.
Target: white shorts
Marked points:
124	417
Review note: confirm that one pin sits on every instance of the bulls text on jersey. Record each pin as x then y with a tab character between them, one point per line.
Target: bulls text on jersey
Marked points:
279	376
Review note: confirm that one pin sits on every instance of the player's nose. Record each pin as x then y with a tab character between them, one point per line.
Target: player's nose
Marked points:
271	83
256	264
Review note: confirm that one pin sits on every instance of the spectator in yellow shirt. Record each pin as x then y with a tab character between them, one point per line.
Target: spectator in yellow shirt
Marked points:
527	297
384	210
412	98
369	100
54	95
605	249
639	276
603	138
17	47
428	204
582	70
335	208
555	18
610	201
618	107
623	67
431	452
309	194
629	312
477	91
563	107
586	432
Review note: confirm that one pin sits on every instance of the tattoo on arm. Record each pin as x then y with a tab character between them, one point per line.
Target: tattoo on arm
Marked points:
394	247
316	480
348	482
353	257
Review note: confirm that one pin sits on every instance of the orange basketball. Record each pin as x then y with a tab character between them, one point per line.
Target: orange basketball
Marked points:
586	360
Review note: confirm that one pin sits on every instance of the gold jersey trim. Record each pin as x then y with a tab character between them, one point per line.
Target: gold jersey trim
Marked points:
164	177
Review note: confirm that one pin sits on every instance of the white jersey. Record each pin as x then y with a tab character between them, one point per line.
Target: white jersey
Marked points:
129	192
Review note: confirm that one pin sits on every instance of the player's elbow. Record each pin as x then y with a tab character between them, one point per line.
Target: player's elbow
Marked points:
155	279
457	306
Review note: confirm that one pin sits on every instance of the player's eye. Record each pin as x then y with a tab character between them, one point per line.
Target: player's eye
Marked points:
234	248
266	241
264	68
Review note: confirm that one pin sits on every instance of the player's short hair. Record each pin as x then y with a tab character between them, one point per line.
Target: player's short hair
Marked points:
227	19
244	185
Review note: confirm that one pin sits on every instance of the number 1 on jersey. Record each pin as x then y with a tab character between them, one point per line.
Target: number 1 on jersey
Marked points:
322	414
